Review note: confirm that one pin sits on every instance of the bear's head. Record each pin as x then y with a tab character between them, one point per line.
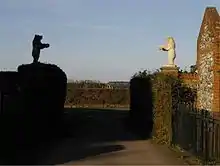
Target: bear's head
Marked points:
38	37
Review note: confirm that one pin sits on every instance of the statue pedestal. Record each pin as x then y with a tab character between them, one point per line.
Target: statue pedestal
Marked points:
170	70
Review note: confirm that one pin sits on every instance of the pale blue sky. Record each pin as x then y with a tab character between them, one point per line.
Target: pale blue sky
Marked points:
100	39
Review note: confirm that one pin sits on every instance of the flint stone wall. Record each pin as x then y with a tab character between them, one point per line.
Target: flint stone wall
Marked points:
207	51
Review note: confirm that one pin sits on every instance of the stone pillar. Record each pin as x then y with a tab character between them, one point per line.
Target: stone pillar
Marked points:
170	70
208	62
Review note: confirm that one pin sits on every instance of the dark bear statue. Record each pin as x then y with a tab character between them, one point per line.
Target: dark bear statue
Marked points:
37	46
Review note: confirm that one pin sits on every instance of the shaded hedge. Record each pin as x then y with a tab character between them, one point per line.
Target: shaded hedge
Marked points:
9	105
42	94
141	105
43	87
9	91
32	102
8	81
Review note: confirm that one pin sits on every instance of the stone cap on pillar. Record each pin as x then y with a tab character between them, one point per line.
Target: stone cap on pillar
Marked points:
170	70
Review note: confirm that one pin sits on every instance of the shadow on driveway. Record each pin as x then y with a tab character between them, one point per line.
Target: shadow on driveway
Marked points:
85	133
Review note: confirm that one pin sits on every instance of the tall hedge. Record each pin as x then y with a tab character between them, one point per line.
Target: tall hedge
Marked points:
43	93
141	105
162	89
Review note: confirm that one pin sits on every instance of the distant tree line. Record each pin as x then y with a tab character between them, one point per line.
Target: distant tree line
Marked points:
98	84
